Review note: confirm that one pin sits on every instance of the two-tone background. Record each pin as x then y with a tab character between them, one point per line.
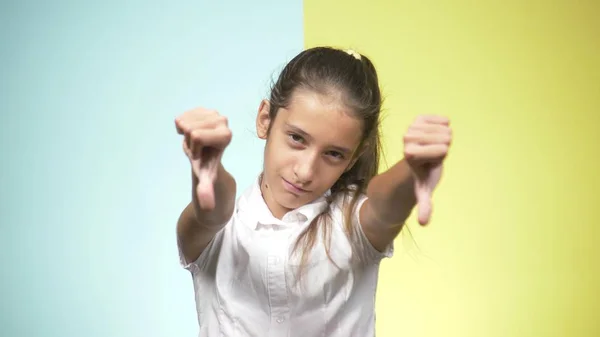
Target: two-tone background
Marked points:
92	176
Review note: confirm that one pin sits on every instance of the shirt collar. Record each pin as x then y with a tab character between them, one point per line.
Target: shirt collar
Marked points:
257	213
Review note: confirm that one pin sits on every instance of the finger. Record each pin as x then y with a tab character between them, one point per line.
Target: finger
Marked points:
433	119
186	147
209	123
197	114
424	207
179	126
425	152
218	138
430	128
196	167
189	125
207	174
205	190
199	127
182	122
423	138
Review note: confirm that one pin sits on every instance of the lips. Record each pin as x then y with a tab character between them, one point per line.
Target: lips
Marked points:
293	188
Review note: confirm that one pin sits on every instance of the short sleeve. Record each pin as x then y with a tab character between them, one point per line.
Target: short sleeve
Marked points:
209	254
361	246
362	243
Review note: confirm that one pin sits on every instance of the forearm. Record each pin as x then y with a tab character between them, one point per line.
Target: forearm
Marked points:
224	193
392	195
196	227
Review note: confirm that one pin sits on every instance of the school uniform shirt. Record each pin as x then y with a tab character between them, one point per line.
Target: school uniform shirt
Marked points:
246	282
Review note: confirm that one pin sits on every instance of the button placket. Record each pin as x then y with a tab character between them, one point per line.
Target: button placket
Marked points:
278	297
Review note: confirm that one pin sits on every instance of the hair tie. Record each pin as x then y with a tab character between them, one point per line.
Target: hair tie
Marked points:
353	53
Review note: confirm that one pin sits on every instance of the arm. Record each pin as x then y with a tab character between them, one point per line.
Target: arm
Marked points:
393	194
391	199
206	135
197	227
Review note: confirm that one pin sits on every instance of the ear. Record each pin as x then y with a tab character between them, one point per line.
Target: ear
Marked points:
263	120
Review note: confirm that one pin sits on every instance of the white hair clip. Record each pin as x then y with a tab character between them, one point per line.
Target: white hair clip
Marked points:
353	53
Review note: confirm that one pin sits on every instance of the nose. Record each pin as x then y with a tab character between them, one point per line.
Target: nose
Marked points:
306	167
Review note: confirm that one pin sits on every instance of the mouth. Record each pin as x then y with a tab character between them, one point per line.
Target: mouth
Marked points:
293	188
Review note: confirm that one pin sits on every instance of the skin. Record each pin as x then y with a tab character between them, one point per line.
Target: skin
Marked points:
308	147
213	188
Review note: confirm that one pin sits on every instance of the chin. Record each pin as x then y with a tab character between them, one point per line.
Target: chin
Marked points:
289	200
285	198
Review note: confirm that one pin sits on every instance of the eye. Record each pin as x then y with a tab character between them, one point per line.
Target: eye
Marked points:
336	155
296	138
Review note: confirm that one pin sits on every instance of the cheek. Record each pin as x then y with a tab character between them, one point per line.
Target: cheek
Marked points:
278	156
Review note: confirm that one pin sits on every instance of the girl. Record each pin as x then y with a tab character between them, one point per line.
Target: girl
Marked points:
298	253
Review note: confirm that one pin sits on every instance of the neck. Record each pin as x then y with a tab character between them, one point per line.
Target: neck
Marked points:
277	210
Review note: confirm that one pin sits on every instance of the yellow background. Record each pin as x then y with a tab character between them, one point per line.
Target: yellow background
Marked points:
513	247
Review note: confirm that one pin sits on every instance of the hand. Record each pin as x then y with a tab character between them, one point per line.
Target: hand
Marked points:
206	136
426	145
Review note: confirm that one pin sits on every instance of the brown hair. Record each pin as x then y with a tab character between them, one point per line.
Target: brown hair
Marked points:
327	70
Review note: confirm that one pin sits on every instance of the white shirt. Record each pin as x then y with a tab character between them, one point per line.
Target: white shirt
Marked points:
245	280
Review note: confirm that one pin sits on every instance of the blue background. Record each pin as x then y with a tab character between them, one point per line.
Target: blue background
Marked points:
93	177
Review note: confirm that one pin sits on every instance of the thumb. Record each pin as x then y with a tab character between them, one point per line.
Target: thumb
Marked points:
424	206
205	190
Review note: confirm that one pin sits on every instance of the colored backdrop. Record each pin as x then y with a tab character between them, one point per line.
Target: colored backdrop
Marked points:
513	246
92	177
92	173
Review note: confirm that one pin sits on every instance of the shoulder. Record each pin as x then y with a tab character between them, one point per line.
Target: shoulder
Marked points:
346	212
350	199
345	208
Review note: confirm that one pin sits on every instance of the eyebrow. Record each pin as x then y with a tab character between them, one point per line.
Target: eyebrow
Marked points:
303	133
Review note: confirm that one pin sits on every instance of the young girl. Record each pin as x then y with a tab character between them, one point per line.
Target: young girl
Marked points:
298	253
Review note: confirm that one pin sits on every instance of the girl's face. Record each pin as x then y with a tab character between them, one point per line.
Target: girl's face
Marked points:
310	144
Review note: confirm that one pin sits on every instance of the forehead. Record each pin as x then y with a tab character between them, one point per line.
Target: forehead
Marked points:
323	117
